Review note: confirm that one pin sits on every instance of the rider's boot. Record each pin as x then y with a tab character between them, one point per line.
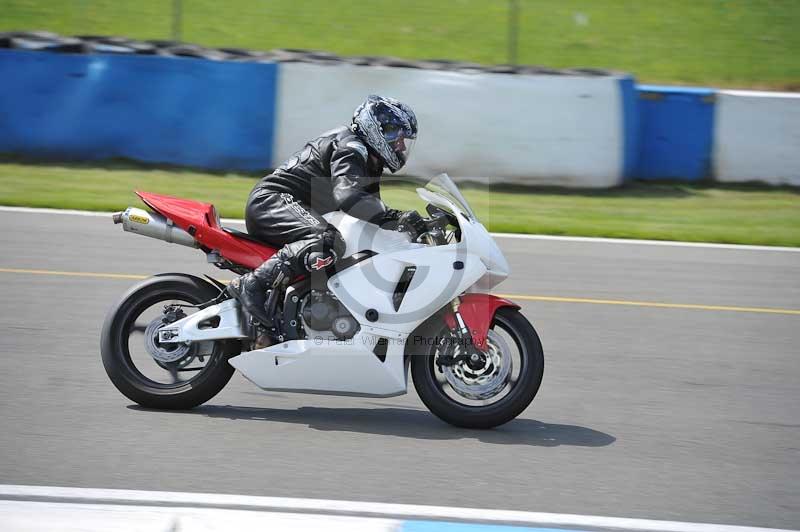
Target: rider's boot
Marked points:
251	288
301	257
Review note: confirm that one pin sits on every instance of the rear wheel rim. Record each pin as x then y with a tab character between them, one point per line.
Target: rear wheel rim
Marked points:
138	340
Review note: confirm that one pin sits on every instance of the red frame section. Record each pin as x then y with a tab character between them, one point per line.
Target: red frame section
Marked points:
477	311
200	220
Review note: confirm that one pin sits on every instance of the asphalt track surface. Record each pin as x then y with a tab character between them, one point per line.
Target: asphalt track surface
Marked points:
686	414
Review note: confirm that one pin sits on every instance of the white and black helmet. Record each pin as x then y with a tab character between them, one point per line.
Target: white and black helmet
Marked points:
387	126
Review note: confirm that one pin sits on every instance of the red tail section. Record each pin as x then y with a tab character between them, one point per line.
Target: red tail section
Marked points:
200	220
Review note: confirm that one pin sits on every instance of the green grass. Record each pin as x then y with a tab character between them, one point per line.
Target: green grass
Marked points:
746	43
741	215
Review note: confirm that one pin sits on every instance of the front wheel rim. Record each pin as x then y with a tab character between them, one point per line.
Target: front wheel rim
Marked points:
487	381
473	389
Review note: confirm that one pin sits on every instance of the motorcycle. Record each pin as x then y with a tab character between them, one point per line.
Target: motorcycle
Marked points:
391	303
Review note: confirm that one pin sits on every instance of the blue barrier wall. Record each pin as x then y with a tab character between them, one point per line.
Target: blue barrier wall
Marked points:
631	126
676	131
183	111
223	115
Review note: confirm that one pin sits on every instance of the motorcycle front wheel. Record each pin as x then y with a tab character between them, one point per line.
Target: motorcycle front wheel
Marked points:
163	376
490	392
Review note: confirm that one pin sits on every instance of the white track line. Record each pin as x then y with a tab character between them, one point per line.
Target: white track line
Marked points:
23	516
349	508
674	243
591	240
42	210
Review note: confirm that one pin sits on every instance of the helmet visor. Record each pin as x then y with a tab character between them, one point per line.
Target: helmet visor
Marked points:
402	147
400	139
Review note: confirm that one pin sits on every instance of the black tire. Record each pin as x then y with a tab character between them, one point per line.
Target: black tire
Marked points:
505	409
115	350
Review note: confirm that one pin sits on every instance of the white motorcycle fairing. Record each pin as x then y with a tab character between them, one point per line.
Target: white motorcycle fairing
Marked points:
324	365
347	367
372	362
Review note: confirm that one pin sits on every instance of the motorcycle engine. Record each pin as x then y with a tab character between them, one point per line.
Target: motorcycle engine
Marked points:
323	312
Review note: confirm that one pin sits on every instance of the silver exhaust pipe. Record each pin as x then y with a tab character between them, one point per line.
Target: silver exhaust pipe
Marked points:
154	225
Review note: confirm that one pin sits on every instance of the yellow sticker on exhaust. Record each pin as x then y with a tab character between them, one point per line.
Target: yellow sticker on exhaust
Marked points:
139	219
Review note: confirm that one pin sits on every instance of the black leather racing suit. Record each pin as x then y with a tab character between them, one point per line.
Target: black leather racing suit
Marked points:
332	172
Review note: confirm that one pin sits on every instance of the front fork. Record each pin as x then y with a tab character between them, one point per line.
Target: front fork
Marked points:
459	326
470	353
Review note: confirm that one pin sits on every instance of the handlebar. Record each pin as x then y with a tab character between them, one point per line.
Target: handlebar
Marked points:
439	218
436	225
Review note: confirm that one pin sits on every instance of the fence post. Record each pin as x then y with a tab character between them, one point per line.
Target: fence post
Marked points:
513	30
177	19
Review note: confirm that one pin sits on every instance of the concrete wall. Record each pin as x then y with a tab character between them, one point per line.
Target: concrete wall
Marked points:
557	130
757	137
540	129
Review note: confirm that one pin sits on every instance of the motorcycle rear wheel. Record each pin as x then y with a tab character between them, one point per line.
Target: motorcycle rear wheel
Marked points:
473	403
130	379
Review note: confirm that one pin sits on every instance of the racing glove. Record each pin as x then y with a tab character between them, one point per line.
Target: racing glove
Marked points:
412	223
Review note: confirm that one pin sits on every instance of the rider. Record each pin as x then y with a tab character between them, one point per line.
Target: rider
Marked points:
339	170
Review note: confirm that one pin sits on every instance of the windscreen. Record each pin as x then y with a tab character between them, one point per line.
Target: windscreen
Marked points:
442	184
